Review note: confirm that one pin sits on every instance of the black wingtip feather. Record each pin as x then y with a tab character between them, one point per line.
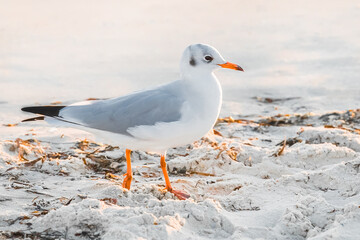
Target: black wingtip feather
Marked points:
51	111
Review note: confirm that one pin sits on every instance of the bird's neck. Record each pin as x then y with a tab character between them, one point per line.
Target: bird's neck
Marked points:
208	92
202	81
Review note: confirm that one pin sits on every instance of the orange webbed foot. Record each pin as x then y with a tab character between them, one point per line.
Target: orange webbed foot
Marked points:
127	181
180	194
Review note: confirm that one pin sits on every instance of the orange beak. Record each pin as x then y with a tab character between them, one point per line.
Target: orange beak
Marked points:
231	66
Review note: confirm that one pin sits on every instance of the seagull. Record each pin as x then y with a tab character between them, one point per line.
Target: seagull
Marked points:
156	119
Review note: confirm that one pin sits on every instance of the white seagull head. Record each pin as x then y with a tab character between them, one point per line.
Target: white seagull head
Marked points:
202	59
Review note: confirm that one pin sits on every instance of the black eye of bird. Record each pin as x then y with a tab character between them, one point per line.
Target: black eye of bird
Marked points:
208	58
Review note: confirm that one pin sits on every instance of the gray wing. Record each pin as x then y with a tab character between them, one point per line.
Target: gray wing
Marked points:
119	114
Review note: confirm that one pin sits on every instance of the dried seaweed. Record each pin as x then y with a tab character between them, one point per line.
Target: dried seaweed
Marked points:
217	133
202	174
274	100
30	148
47	234
289	142
232	120
10	125
39	193
281	150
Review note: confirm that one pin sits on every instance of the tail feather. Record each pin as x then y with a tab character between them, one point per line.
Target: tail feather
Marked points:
50	111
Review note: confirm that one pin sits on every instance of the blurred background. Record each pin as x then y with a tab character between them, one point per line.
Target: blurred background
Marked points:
71	50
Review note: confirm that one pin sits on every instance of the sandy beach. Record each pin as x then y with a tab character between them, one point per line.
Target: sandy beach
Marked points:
282	162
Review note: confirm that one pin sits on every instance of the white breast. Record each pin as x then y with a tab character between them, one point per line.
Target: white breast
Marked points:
199	114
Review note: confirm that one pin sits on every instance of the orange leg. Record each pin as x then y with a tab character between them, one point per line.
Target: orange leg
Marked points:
179	194
128	174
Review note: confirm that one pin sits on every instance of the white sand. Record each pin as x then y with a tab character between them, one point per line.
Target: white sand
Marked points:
239	188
